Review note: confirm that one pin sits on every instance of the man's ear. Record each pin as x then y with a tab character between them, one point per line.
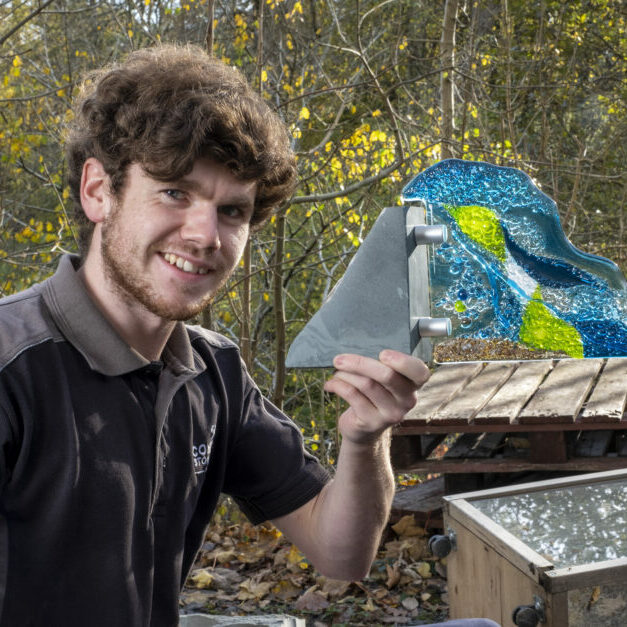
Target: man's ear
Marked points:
95	194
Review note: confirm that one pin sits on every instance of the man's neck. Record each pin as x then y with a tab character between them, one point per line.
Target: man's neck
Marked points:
142	330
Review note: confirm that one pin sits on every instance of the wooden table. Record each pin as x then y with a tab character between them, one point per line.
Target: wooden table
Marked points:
552	415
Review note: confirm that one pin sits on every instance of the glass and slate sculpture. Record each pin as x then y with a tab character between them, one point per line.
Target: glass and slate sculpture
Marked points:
501	274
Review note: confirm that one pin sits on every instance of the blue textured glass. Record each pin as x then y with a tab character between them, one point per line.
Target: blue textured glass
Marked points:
508	276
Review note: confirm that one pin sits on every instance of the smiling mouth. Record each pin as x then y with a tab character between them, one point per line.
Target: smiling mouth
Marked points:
184	264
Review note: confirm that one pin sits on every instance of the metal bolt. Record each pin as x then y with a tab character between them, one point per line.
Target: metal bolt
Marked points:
442	545
434	327
430	234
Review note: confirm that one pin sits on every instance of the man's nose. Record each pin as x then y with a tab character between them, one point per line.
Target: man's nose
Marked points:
201	226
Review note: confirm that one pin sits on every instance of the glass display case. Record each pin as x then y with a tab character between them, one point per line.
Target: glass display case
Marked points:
550	553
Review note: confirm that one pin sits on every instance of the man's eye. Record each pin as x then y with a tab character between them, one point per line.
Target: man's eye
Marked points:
174	194
231	211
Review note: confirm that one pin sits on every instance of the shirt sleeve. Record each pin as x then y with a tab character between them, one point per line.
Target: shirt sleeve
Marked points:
270	474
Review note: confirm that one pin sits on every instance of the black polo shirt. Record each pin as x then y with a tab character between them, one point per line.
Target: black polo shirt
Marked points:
111	466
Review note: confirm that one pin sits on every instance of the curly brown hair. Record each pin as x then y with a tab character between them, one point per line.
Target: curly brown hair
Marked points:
164	108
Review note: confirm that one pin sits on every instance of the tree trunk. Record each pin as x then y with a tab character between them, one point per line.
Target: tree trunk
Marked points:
447	96
209	35
279	313
206	320
506	22
245	339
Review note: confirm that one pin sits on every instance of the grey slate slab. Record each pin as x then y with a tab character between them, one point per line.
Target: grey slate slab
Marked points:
368	309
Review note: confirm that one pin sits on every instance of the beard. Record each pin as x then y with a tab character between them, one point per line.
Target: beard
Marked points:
133	287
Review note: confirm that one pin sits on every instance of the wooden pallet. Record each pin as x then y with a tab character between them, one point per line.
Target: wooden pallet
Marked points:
517	416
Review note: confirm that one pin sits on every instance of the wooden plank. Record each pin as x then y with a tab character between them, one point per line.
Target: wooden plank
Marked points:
462	446
413	427
504	406
578	576
593	443
463	407
472	576
609	397
423	497
544	485
547	447
483	583
562	393
445	382
516	464
596	605
557	610
487	445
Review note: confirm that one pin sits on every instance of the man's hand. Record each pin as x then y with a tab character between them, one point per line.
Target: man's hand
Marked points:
379	392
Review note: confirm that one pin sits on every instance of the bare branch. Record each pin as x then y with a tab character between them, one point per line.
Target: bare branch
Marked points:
25	21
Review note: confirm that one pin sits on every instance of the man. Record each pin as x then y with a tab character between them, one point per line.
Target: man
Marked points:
119	425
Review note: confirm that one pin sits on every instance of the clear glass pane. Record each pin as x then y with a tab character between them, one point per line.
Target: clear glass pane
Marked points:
568	526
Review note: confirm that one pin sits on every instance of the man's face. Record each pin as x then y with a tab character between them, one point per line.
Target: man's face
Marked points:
171	246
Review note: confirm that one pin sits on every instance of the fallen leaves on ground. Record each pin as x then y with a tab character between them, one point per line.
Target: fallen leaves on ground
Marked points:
243	569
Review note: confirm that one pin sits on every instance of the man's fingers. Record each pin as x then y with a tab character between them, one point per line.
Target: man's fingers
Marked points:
366	414
379	392
387	397
354	397
399	373
412	368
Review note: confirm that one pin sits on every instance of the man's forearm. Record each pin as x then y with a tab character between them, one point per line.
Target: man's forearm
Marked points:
339	530
356	507
343	524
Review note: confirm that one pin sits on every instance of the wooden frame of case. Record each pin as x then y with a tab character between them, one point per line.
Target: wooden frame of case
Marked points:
491	572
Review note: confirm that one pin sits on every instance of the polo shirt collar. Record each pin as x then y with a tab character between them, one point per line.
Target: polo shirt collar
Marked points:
86	328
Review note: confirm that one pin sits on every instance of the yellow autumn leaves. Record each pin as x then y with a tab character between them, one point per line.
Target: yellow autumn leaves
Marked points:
257	567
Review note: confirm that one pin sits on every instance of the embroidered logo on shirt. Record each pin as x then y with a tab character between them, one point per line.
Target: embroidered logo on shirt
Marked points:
202	452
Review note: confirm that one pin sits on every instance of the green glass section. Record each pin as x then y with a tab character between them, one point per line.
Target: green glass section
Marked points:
482	226
542	329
